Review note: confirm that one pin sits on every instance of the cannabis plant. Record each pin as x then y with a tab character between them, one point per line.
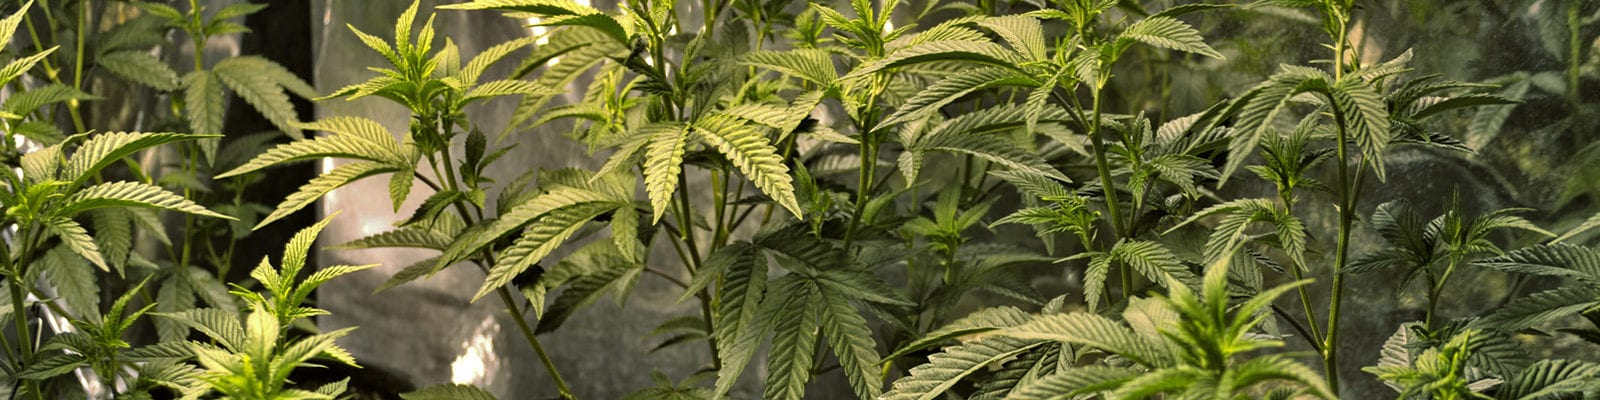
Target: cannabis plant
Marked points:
862	162
56	186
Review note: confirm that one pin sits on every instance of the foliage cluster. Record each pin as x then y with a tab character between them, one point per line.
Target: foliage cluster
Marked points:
881	161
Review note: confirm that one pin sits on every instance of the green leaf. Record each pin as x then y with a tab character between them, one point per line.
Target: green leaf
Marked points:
945	369
794	321
663	161
511	219
542	237
76	238
1242	376
1167	33
978	52
932	99
1076	381
221	325
506	87
448	392
55	365
977	133
470	73
1094	331
367	130
28	101
321	185
1543	307
985	320
756	158
1259	108
583	291
811	65
108	148
204	101
20	65
74	279
306	348
852	343
339	146
553	10
132	194
742	290
1547	378
436	236
113	232
1367	117
1563	260
250	79
140	67
8	25
1154	261
236	10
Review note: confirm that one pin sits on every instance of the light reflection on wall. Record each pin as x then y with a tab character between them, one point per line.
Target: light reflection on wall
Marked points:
477	359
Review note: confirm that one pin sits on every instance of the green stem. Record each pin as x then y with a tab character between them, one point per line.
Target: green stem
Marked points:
1437	289
528	333
869	159
19	309
720	181
1109	187
1575	52
1315	333
1330	352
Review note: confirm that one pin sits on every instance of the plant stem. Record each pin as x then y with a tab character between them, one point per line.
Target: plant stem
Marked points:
1437	289
1113	206
1330	347
1315	337
1575	51
869	159
528	333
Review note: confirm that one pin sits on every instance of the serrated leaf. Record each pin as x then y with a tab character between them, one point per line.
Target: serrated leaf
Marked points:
1543	307
107	148
543	236
253	83
448	392
338	146
795	328
1091	330
132	194
1547	378
19	65
204	101
947	368
663	161
140	67
28	101
583	291
930	100
552	8
218	324
985	320
55	365
756	158
1562	260
812	65
321	185
1075	381
76	238
1168	33
505	87
979	52
851	341
74	279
